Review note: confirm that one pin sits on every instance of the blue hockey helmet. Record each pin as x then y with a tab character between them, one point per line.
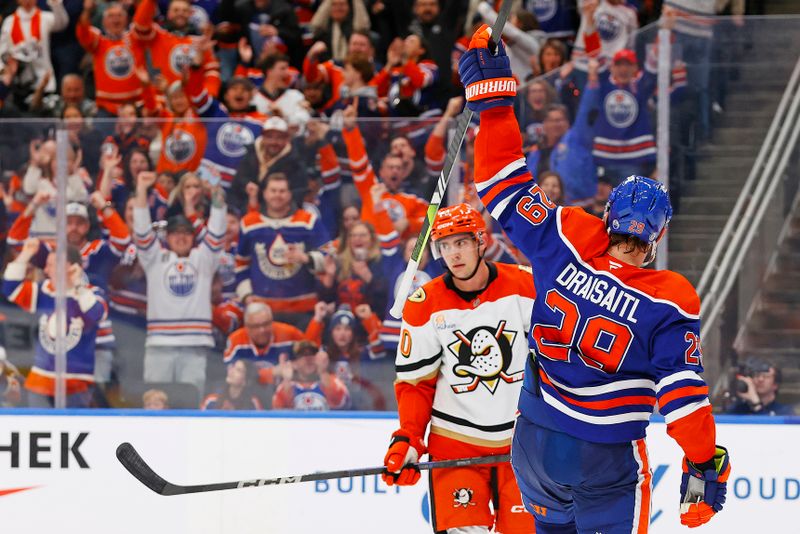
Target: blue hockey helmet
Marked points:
639	207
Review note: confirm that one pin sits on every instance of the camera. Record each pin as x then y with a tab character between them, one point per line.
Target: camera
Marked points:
750	367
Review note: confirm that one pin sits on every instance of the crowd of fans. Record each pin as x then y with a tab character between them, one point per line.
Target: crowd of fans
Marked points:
246	179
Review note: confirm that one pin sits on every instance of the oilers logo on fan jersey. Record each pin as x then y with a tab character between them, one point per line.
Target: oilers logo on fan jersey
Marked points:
544	9
48	331
608	26
119	62
180	146
273	262
180	58
181	278
232	139
621	108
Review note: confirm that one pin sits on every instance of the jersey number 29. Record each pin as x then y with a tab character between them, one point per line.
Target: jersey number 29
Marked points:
602	343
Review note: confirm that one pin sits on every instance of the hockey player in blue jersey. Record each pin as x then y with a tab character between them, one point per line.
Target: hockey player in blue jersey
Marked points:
609	339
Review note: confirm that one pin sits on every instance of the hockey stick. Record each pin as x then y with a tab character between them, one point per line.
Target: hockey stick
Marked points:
462	123
136	466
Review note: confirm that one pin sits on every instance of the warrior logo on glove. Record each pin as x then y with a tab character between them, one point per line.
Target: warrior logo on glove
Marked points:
486	73
484	354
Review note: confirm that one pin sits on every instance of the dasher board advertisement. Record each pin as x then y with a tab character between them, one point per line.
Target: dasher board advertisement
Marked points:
59	473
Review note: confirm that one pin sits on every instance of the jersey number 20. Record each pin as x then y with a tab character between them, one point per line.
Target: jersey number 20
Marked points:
602	343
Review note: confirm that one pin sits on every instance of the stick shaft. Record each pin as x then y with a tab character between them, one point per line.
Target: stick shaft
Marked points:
462	123
136	466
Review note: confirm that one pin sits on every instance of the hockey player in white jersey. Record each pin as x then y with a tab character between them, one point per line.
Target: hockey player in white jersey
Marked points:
459	368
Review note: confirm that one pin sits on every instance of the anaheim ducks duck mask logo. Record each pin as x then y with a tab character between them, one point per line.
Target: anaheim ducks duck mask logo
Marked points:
484	354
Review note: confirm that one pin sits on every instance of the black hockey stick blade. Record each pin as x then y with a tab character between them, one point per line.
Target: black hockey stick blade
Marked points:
137	467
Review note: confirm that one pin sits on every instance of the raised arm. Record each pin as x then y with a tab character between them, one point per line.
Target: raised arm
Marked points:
19	290
504	184
147	245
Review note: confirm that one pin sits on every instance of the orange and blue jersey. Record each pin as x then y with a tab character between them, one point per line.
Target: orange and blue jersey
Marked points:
611	339
240	347
85	311
397	205
114	62
228	138
261	265
311	396
100	256
171	53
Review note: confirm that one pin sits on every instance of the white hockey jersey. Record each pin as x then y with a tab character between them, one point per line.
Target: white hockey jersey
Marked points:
179	289
461	359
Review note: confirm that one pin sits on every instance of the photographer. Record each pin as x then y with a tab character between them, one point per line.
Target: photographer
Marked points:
756	389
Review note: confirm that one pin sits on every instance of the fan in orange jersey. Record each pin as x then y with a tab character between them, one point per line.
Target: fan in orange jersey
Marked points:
113	55
405	210
171	53
460	366
183	135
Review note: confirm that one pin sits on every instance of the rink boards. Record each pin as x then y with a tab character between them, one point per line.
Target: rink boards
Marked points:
58	473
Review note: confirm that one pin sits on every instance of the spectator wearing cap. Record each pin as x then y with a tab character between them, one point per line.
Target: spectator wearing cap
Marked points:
335	21
100	256
237	393
86	308
352	358
25	35
238	95
39	177
275	97
272	152
760	380
179	279
307	382
624	141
